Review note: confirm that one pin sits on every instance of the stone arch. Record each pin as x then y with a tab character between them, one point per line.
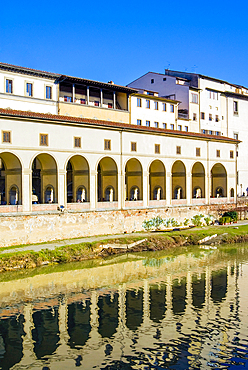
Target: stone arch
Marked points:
107	178
198	180
133	179
10	176
157	180
44	176
218	181
178	173
77	179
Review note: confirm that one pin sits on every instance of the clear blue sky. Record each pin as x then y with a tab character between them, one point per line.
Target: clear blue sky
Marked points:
120	41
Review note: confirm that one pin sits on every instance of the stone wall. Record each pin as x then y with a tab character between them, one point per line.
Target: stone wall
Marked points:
28	229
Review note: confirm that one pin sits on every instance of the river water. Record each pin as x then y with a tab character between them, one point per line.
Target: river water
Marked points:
182	309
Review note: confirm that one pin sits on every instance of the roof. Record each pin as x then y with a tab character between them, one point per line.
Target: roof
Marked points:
30	71
110	124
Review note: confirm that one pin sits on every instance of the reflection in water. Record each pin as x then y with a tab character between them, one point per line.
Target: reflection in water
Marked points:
168	312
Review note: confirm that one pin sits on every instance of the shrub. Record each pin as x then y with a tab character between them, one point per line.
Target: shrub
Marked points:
208	220
174	222
224	220
157	222
196	220
147	225
186	221
232	214
167	222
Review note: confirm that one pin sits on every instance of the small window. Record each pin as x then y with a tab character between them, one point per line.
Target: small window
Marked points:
202	115
210	117
216	118
107	144
235	107
164	107
172	126
77	142
156	105
6	137
194	116
231	154
164	79
147	123
148	103
29	89
44	139
138	122
133	147
205	131
152	81
164	125
138	102
210	132
48	92
218	153
194	98
9	86
198	152
236	136
157	148
179	127
209	94
217	133
222	118
156	124
171	108
178	151
186	128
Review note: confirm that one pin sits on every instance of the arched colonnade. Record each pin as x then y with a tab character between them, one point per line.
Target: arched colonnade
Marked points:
157	183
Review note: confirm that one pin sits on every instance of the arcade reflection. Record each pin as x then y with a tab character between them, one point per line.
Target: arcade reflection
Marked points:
156	313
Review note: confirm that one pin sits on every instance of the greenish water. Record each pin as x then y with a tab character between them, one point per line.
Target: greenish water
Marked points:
181	309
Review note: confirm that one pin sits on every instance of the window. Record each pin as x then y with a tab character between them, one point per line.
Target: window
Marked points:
210	132
186	128
148	103
164	107
202	115
77	142
138	122
235	107
107	144
48	92
194	98
44	139
209	94
210	117
204	131
236	136
194	116
218	153
6	137
217	133
178	151
222	117
216	118
156	124
198	152
29	89
152	81
157	148
147	123
9	86
171	108
138	102
231	154
68	99
164	79
164	125
156	105
133	147
172	126
179	127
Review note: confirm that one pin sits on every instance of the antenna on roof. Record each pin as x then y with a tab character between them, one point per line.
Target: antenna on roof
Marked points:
194	68
167	68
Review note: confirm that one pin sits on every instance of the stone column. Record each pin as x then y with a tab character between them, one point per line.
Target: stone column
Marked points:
62	196
88	95
122	306
27	189
168	186
101	97
188	188
146	303
73	93
145	189
114	100
28	347
93	189
63	327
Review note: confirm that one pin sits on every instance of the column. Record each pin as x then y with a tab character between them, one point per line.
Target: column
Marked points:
122	306
188	188
28	347
63	333
168	185
114	100
145	189
73	93
62	187
93	189
101	97
27	189
146	303
120	191
88	94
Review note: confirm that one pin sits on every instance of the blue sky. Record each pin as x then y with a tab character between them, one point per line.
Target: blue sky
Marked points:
121	41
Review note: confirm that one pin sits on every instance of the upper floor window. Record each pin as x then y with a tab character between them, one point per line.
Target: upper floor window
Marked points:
9	86
178	150
77	142
164	107
148	123
186	128
216	118
48	92
171	108
210	117
139	122
29	89
156	105
147	103
202	115
164	125
231	154
6	137
107	144
152	81
138	102
198	152
179	127
236	136
156	124
217	133
194	98
133	147
44	139
218	153
157	148
172	126
235	107
194	116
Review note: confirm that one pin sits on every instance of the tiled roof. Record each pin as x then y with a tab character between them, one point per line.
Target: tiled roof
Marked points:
110	124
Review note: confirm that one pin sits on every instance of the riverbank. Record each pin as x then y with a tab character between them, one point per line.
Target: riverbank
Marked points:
103	246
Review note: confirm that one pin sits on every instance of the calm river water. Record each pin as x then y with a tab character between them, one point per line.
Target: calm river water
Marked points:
186	309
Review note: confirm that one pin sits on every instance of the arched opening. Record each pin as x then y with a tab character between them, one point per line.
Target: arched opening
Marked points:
133	180
178	180
232	193
157	180
218	181
198	181
107	180
44	179
10	179
77	180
